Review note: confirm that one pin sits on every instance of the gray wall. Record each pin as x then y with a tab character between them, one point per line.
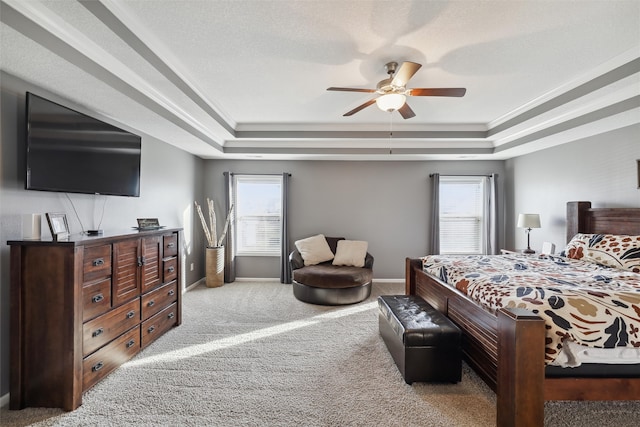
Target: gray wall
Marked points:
601	169
384	203
171	181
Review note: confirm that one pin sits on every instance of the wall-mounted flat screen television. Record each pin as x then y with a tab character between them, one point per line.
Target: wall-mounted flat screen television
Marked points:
70	152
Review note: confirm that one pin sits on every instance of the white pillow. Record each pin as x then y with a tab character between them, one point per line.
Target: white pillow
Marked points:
314	250
351	253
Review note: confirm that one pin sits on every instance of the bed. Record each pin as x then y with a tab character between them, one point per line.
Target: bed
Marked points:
506	346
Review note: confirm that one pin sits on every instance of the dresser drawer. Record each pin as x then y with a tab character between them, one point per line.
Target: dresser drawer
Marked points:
96	298
158	324
170	269
101	330
96	262
105	360
159	299
170	245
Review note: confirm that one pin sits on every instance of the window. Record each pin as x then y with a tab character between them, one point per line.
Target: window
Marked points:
258	213
461	215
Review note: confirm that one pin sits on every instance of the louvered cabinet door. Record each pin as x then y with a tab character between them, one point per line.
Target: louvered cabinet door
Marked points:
151	262
126	259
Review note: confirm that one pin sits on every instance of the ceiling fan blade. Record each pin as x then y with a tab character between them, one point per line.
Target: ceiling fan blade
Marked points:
451	91
406	112
360	107
406	71
350	89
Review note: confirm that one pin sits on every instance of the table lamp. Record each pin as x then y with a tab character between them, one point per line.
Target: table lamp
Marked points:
528	221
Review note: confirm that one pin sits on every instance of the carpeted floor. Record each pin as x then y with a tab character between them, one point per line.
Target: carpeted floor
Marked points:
250	354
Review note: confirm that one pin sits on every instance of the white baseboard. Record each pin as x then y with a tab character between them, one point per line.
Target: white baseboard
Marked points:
238	279
277	279
388	280
193	285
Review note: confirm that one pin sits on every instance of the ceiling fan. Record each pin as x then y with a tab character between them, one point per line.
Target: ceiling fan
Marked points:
393	90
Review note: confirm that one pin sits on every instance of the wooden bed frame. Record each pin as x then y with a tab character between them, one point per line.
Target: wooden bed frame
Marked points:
507	350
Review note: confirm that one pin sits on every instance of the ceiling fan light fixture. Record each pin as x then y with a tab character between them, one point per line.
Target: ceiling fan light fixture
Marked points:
391	101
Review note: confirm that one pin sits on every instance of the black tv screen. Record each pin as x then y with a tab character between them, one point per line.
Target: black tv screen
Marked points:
70	152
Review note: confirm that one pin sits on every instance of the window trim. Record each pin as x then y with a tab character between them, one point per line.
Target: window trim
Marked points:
255	177
477	180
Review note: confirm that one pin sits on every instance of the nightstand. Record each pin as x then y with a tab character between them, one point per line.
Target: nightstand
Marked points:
512	252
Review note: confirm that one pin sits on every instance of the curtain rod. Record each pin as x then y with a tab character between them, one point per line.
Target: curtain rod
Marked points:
488	176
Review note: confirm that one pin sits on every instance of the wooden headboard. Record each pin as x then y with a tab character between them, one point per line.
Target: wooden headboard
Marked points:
582	218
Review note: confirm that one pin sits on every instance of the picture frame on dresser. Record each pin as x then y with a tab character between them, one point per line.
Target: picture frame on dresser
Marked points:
58	225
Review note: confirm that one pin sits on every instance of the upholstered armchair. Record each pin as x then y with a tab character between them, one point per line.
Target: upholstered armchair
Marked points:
331	270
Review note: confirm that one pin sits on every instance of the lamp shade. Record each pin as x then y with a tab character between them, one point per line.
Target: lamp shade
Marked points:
391	101
528	221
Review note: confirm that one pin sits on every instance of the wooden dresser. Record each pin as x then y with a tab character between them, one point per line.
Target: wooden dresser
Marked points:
82	307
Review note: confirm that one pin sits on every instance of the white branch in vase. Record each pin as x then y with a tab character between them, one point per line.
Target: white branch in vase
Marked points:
213	226
226	226
204	225
210	230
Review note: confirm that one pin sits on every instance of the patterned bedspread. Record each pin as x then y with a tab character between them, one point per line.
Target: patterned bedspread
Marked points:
592	305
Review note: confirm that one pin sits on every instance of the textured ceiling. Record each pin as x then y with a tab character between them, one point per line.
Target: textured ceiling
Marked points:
248	79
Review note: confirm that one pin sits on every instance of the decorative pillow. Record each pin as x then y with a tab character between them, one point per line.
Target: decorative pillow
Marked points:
314	250
576	247
351	253
618	251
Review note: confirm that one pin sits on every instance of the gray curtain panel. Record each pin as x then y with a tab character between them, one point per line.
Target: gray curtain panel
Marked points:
285	268
229	244
434	241
491	214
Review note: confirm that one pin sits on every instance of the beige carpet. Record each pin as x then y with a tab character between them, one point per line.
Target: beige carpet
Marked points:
250	354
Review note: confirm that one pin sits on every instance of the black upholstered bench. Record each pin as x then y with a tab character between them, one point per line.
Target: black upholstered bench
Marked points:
423	342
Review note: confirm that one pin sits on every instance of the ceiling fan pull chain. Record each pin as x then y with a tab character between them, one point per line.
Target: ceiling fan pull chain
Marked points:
390	130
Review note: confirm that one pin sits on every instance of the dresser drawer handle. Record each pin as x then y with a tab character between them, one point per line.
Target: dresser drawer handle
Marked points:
97	298
97	367
171	269
171	315
170	245
131	314
172	292
98	262
97	332
151	329
131	343
151	303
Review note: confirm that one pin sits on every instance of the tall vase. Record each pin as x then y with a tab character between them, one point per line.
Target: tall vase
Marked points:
215	266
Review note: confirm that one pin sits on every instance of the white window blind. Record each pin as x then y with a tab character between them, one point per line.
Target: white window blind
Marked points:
461	215
258	212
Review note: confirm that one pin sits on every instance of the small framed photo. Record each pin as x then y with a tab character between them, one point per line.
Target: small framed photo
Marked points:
58	225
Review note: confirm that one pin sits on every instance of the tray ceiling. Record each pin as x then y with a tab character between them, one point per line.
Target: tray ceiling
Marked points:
248	79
